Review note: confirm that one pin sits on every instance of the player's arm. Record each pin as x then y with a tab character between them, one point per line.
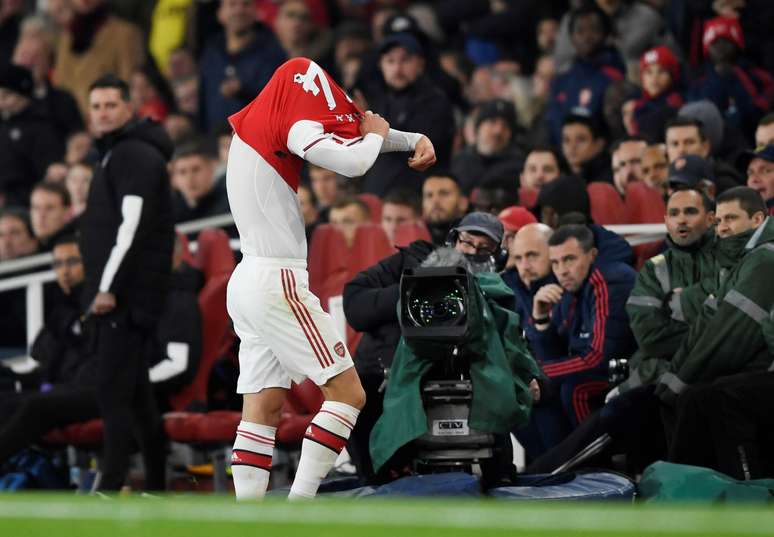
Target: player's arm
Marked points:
424	152
350	158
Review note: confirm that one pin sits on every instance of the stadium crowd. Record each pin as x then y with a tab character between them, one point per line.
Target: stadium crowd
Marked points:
556	116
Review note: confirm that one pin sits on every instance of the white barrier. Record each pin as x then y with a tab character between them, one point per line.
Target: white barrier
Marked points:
634	234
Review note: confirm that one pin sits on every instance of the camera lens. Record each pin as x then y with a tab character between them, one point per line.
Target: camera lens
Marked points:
437	305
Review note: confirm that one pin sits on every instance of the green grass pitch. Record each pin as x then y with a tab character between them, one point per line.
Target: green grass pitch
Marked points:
27	515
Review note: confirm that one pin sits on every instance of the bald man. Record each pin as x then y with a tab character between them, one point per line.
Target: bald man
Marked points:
529	267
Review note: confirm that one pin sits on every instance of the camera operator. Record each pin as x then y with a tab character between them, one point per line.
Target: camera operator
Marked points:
370	305
576	327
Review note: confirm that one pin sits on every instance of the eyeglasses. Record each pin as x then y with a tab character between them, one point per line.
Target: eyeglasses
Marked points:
480	250
71	262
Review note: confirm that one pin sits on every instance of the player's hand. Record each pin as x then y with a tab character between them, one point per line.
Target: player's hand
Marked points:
424	155
374	123
103	303
230	87
545	298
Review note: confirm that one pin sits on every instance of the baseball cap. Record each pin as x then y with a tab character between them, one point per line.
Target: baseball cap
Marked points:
689	171
766	152
515	217
17	79
662	56
484	223
401	39
722	27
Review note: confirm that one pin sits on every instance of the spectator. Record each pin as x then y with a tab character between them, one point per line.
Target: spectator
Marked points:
542	165
16	236
583	147
636	26
577	326
298	34
594	67
127	275
529	267
494	196
399	208
760	173
77	148
659	77
150	94
180	127
56	173
351	42
186	92
560	197
347	214
513	219
443	204
181	65
727	338
411	102
764	134
197	192
655	166
495	153
741	91
77	182
309	211
35	51
237	63
691	172
50	212
627	162
28	142
325	186
687	137
95	43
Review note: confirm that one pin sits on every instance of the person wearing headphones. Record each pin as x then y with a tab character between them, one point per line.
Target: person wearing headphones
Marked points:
370	306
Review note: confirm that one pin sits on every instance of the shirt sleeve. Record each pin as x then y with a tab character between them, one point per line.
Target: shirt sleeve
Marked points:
350	158
400	141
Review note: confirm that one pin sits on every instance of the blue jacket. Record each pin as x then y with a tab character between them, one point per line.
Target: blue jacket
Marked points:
742	96
583	86
253	66
612	248
588	327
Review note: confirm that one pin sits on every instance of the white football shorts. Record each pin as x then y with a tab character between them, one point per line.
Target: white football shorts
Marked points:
285	335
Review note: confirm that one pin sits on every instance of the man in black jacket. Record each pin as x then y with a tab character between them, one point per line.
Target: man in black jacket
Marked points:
370	305
29	141
411	102
127	238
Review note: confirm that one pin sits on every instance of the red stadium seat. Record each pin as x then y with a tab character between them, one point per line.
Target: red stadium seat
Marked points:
187	256
214	255
374	204
607	207
328	271
644	205
371	245
405	234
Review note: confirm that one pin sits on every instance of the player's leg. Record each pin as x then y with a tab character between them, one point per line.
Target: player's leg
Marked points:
262	382
251	455
305	341
329	432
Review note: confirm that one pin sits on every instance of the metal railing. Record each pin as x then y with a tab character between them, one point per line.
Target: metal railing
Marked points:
33	282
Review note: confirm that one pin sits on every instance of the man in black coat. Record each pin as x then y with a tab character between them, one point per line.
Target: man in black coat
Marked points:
496	153
370	305
29	142
127	239
411	102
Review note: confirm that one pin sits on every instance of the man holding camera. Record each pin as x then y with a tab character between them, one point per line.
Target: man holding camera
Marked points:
370	305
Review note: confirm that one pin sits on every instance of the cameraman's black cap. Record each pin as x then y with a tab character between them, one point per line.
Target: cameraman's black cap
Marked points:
484	223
